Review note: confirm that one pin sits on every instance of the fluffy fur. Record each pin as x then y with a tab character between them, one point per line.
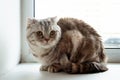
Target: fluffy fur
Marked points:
66	44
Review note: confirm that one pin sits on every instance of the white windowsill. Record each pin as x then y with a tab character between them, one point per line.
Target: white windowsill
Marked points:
31	72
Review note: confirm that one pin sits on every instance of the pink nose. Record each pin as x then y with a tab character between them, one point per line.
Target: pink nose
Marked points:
47	39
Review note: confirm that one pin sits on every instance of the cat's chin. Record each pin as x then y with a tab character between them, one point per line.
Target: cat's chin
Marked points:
47	46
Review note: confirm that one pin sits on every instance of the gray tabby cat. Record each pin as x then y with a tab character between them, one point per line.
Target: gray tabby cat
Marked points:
66	44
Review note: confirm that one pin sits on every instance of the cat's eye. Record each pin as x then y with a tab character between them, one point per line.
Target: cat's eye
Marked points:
52	33
40	34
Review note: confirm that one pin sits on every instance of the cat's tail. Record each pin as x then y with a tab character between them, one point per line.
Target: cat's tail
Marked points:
88	67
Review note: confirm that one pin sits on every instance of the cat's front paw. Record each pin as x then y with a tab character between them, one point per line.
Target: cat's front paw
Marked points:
54	68
44	68
51	68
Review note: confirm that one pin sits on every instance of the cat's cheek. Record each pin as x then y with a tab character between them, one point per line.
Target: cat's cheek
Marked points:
51	41
42	42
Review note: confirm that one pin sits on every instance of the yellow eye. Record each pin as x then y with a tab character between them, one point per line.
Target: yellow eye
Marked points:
40	34
52	33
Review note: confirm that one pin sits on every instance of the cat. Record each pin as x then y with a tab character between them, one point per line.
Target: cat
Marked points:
66	44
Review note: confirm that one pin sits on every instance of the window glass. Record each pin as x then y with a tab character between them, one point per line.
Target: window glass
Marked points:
103	15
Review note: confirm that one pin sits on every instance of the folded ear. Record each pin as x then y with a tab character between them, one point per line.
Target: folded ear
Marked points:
31	21
55	19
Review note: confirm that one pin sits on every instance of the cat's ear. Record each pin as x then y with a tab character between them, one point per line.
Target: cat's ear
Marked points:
31	21
55	19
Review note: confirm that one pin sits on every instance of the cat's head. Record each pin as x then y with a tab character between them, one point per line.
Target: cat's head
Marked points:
44	32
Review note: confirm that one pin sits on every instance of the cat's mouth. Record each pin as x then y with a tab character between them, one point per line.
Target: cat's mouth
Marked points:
46	43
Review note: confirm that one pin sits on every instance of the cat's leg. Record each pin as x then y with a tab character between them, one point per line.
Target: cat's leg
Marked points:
67	65
88	67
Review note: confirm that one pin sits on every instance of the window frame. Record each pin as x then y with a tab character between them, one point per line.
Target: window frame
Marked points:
112	53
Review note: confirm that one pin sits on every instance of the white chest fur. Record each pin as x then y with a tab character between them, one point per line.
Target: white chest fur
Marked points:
42	55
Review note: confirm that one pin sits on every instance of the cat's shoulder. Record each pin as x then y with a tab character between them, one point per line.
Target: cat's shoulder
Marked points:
69	20
68	23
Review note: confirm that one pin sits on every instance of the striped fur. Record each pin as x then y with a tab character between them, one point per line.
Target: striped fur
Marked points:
76	47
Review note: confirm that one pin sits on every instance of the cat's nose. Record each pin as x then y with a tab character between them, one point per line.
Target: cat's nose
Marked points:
47	39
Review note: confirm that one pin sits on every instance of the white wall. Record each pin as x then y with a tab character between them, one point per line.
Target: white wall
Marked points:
9	34
27	11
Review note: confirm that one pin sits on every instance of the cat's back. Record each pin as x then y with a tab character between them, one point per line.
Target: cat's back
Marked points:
76	24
